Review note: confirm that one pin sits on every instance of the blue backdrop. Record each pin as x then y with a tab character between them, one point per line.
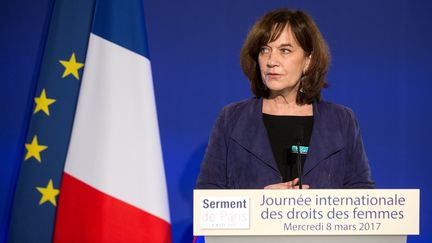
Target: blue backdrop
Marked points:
381	68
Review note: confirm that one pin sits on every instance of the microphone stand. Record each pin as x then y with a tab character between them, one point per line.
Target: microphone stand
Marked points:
299	165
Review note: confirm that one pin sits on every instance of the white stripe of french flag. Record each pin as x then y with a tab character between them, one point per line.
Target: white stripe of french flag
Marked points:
113	188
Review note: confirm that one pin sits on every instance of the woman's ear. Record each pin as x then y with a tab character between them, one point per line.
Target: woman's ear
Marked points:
307	62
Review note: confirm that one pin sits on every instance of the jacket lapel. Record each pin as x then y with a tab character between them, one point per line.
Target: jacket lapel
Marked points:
250	133
326	137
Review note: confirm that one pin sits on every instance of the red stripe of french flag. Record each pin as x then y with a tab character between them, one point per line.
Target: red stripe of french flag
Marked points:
103	218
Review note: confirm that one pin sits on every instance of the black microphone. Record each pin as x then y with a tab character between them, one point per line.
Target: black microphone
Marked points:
299	169
299	163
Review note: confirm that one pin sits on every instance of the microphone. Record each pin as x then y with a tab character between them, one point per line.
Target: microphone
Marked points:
299	163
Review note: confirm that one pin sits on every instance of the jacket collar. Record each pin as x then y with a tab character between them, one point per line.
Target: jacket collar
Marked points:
326	136
250	133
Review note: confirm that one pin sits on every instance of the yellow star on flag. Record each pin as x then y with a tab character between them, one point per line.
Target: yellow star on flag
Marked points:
34	149
42	103
71	66
49	193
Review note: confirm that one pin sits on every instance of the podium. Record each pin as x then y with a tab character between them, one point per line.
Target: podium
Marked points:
306	216
307	239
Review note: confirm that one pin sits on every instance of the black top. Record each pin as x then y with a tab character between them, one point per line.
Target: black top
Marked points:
285	132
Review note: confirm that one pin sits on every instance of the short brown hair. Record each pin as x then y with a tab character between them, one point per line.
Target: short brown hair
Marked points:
306	33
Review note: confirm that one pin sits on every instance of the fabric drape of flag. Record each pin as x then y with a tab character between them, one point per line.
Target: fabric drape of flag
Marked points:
113	186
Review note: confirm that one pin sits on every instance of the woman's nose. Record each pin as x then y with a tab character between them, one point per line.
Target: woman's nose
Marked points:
272	60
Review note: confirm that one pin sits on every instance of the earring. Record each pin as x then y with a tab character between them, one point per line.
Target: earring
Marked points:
301	84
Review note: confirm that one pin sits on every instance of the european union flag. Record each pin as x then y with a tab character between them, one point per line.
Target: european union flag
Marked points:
55	99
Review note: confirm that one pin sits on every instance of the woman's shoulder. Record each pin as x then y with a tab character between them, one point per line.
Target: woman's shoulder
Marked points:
242	104
246	109
333	110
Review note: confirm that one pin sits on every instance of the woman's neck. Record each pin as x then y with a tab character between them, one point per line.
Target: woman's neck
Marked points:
285	105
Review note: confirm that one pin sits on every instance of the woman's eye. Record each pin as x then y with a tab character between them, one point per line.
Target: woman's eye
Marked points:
264	50
285	50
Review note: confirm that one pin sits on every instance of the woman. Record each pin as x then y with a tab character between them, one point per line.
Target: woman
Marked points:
260	142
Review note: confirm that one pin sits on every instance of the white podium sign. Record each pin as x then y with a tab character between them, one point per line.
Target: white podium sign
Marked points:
306	212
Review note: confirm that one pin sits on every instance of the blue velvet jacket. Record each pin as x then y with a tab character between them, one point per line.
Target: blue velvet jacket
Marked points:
239	154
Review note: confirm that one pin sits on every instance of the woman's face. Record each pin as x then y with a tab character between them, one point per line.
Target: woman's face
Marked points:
282	63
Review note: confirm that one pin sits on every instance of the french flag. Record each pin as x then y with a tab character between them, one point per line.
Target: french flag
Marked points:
113	188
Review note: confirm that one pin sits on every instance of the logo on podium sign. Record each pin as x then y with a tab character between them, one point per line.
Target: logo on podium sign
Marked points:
224	212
